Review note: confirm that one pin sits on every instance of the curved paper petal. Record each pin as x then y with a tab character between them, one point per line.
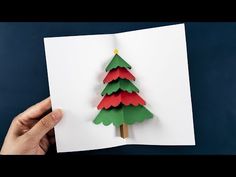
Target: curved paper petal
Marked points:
118	73
119	84
123	97
117	61
123	114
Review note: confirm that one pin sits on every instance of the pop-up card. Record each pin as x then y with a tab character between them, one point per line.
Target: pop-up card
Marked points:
124	88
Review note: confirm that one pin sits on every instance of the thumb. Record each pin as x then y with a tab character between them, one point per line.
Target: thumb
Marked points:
45	124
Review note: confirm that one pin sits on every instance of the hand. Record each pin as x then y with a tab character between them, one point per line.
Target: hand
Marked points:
29	133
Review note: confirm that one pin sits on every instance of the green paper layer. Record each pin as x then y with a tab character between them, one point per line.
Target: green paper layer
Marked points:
123	114
122	84
117	61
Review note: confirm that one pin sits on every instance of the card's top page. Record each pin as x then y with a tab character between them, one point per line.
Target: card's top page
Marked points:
158	56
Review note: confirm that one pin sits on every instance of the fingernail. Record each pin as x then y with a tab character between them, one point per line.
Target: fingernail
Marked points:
57	115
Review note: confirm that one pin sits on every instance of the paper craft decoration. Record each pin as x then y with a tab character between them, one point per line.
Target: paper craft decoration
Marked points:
121	105
158	57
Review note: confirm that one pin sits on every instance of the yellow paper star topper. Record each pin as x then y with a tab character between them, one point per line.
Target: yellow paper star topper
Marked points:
116	51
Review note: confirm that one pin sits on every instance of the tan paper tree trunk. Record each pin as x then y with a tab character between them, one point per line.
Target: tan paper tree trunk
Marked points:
124	131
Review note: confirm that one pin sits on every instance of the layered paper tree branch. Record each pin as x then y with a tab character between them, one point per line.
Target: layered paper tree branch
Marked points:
121	104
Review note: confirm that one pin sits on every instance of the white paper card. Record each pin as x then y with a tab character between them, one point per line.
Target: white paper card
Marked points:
76	69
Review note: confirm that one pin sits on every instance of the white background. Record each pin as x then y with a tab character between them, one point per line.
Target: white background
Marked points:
158	56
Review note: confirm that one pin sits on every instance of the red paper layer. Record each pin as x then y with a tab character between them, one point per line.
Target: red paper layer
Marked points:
118	73
121	97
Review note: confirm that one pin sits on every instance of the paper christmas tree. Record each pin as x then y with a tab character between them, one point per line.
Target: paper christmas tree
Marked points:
121	105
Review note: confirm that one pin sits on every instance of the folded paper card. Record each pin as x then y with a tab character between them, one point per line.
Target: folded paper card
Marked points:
82	68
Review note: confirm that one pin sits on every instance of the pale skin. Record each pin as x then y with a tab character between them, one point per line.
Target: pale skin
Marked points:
31	132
